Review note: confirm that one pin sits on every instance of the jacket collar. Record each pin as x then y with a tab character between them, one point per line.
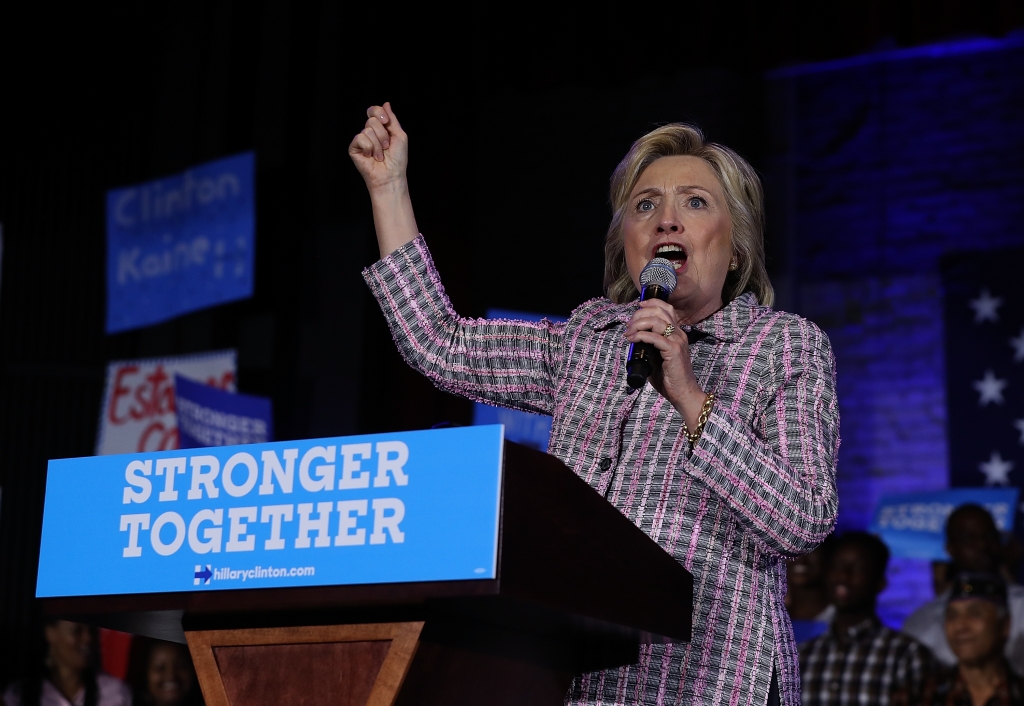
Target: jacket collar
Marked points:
726	325
864	629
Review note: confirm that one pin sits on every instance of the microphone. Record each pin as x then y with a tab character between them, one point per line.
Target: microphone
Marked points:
657	280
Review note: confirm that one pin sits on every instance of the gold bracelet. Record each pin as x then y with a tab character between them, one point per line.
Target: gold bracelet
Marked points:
701	420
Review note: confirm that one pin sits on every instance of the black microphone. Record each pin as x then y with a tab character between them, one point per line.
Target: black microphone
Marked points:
657	280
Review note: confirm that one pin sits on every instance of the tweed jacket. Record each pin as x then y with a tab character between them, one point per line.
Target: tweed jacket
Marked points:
758	486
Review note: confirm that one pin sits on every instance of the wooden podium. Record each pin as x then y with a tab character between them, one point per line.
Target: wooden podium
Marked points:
579	588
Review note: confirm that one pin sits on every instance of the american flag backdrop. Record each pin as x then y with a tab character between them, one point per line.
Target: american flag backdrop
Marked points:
984	320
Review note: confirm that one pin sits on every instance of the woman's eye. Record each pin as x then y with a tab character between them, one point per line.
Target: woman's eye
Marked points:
645	205
697	202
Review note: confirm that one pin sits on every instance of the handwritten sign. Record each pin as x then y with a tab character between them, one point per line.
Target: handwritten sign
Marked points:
377	508
138	411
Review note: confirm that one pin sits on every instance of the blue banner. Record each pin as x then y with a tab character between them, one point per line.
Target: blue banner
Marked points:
208	416
532	430
984	329
379	508
180	243
914	524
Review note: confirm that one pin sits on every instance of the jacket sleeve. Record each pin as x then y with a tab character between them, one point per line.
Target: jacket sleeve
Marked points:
779	474
503	362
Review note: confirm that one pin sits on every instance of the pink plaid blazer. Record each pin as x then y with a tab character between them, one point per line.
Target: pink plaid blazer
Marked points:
758	487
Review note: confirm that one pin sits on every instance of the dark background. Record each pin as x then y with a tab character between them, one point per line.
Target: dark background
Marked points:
515	122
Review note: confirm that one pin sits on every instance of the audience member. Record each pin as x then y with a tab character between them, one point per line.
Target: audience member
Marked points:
942	577
161	674
973	544
977	626
64	672
806	600
858	660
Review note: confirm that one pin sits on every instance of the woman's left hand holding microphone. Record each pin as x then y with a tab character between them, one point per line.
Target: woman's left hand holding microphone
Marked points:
674	378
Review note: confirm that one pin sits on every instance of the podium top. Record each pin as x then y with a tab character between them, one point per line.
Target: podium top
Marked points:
393	525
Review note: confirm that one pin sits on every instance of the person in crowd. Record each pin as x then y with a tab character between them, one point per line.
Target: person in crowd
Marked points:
726	457
64	672
974	545
161	674
977	627
858	660
942	577
806	597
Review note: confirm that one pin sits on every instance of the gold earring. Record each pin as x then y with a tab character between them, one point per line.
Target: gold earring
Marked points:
733	264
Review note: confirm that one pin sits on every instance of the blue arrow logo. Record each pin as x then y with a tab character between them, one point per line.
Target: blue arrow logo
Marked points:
202	575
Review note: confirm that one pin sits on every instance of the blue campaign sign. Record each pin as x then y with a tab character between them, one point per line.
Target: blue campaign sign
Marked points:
532	430
208	416
379	508
180	243
914	524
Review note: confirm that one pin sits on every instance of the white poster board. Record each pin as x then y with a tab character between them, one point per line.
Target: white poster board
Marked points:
138	403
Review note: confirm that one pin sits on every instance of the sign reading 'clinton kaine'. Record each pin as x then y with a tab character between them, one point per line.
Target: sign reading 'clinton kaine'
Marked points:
381	508
180	243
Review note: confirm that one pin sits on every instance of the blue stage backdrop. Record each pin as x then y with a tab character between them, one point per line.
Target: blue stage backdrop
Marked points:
885	163
531	430
379	508
180	243
984	302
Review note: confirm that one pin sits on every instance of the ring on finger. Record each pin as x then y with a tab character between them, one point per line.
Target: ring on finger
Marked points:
668	330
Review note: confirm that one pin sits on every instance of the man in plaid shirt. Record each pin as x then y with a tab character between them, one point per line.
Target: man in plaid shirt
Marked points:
859	660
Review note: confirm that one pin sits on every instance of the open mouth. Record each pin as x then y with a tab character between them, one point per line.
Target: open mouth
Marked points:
673	253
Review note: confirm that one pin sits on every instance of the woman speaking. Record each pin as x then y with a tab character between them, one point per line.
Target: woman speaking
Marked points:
726	458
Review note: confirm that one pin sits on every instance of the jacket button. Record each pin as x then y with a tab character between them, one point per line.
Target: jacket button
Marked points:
606	463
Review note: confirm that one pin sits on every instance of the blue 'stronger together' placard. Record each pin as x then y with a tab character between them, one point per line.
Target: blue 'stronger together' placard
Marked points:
180	243
914	524
208	416
379	508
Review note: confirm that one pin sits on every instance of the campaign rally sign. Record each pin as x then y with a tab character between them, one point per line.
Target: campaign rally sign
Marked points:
138	403
914	524
208	416
180	243
379	508
532	430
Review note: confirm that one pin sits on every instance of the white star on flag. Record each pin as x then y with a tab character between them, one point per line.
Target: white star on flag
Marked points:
1018	347
1020	427
996	470
985	307
990	389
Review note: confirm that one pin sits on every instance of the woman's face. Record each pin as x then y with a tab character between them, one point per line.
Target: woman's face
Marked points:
975	630
70	645
678	210
169	676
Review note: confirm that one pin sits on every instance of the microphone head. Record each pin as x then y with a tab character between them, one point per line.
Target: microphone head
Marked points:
659	271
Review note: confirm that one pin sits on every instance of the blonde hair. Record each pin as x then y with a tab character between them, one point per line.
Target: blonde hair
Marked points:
742	194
